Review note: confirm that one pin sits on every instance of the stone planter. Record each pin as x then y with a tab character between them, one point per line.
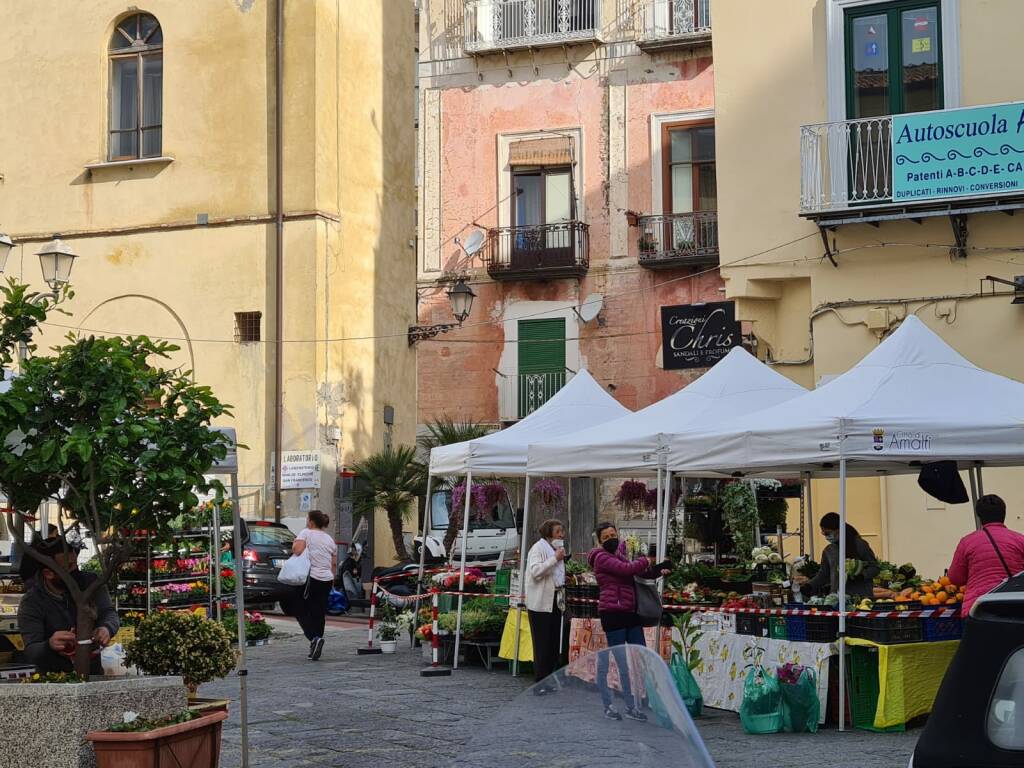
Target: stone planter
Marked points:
195	744
45	724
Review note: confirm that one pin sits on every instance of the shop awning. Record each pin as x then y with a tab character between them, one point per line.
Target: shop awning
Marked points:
554	150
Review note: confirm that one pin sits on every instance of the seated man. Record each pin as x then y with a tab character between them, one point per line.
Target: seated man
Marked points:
47	615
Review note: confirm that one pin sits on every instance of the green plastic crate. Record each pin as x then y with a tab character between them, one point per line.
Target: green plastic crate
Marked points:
862	683
502	585
777	628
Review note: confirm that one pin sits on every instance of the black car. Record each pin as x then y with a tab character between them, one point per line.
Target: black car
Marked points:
266	546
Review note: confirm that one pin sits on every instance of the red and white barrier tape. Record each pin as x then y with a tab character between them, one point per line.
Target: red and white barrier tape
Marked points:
925	613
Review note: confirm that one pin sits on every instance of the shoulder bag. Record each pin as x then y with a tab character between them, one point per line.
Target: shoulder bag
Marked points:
995	546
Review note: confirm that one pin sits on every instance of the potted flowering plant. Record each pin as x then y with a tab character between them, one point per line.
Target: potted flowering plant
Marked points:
388	627
186	738
185	644
632	496
550	495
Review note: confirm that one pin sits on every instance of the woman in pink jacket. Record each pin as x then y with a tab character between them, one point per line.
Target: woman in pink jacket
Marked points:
986	558
617	608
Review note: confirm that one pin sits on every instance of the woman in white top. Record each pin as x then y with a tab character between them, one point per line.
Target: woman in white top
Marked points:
545	575
323	564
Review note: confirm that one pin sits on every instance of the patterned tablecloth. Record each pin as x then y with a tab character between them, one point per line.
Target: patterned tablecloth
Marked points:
586	638
721	672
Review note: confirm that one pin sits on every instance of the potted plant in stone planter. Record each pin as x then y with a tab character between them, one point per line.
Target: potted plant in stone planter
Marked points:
186	644
187	738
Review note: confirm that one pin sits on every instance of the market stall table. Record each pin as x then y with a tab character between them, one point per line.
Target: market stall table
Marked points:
909	675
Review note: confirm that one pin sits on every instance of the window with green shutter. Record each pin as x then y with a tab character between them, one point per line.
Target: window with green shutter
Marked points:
541	361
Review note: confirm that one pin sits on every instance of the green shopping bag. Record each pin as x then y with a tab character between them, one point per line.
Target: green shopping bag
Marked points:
800	705
761	709
687	685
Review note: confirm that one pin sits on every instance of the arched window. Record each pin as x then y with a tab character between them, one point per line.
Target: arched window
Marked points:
136	88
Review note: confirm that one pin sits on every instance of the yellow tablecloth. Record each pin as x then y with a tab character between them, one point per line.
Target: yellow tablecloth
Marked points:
508	638
909	676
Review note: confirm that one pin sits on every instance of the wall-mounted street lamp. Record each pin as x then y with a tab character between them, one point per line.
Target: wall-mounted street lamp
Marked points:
460	296
55	259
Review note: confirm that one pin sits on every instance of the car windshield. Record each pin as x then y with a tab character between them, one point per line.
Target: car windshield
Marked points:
499	516
267	534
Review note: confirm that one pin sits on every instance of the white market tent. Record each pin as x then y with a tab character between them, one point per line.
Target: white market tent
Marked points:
581	404
911	401
738	384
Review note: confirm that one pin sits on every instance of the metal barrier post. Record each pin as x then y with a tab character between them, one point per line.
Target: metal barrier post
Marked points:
369	649
435	669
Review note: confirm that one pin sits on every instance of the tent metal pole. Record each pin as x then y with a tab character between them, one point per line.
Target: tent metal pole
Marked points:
842	587
981	482
657	513
427	512
663	548
462	565
522	576
810	516
974	498
243	670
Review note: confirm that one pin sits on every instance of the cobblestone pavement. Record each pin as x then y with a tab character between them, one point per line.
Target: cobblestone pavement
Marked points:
362	711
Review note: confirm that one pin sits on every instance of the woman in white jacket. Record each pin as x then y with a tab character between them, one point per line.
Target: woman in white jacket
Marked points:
545	575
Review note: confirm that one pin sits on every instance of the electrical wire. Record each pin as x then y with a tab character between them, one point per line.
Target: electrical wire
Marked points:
404	334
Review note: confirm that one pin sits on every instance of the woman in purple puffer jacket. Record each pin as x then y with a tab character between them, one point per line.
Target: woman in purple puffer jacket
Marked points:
617	607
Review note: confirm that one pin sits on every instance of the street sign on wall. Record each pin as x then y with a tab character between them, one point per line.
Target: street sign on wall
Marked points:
970	152
299	469
698	335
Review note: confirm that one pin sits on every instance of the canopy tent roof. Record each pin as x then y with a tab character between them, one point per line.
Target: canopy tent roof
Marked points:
912	400
737	384
582	403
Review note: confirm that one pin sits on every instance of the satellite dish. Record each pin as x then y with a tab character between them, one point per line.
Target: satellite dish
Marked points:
474	242
591	307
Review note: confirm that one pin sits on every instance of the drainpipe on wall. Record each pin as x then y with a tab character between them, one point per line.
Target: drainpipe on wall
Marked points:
278	256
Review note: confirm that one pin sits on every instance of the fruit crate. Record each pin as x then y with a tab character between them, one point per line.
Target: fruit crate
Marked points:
812	629
886	631
862	680
502	585
912	605
935	628
751	624
777	628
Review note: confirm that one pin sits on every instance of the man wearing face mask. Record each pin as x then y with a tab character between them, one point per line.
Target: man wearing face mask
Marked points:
545	577
827	578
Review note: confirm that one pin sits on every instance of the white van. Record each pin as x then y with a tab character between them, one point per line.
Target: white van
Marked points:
490	534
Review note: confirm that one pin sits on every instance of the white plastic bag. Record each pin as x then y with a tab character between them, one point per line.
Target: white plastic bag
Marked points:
295	571
112	658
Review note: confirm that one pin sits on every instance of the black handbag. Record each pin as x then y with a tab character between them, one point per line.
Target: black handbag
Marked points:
648	601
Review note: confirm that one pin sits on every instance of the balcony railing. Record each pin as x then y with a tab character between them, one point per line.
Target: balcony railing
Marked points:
522	394
541	252
678	239
846	164
674	24
501	25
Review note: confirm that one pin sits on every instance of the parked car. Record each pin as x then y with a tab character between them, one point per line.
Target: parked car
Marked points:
265	547
489	535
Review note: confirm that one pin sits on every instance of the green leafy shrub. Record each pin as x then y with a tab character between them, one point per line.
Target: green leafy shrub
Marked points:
177	643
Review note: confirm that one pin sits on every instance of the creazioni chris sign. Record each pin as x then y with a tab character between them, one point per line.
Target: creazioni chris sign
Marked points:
971	152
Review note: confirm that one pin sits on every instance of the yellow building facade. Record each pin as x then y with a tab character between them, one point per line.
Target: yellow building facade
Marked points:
147	137
806	91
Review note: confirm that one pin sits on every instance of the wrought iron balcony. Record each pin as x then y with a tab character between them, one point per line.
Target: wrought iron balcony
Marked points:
845	165
668	24
522	394
503	25
678	240
541	252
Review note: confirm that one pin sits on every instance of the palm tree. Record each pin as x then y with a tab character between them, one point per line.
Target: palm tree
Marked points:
447	430
391	480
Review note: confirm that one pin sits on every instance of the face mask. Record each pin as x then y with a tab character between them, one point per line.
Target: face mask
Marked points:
832	538
557	544
611	546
